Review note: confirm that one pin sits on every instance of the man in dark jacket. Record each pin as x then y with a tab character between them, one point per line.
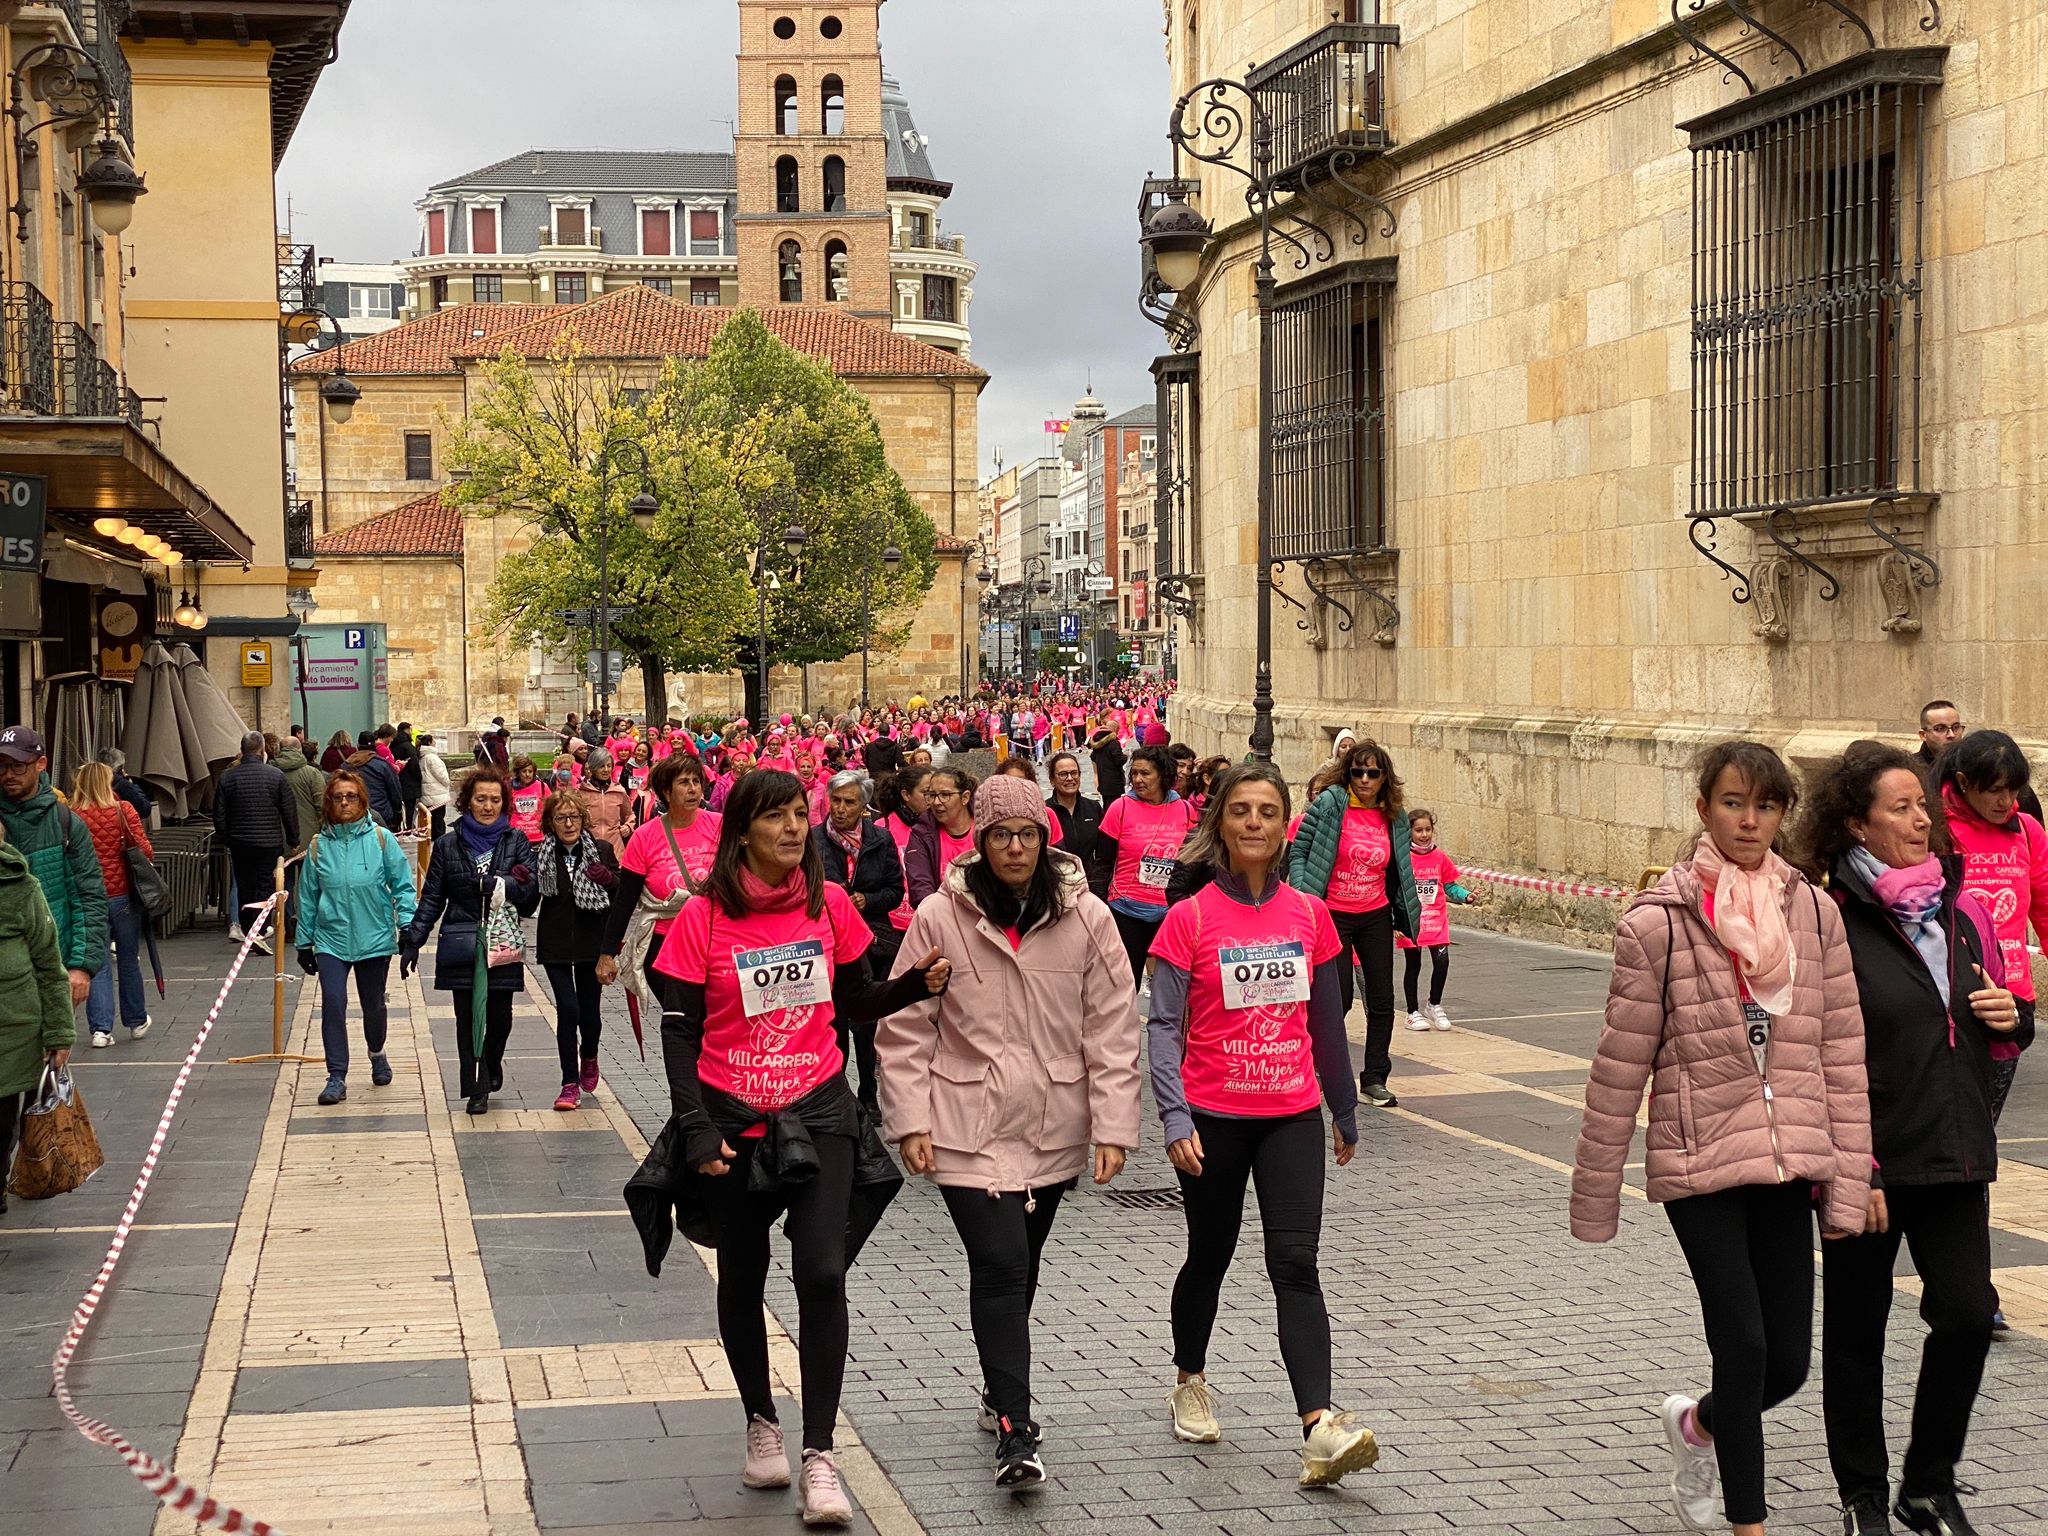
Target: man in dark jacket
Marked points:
256	815
117	761
387	798
408	754
60	854
859	854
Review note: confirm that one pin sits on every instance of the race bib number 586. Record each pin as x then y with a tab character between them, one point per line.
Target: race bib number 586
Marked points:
787	976
1263	975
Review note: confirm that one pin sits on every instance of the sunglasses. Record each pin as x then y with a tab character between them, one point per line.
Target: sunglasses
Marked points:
1366	773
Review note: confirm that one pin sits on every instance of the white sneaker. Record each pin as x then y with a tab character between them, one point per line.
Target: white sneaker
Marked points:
985	1417
1194	1412
141	1029
102	1038
261	946
1338	1444
1438	1017
1417	1022
234	933
1695	1474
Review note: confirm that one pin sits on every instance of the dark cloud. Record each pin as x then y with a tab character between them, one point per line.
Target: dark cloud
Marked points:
1044	114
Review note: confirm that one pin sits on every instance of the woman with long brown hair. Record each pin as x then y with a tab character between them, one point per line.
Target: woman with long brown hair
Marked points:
114	827
754	973
1352	852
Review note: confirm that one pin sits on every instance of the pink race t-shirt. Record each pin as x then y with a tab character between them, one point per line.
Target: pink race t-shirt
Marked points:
526	809
1249	970
1435	874
899	829
1148	838
647	855
1358	882
767	979
951	848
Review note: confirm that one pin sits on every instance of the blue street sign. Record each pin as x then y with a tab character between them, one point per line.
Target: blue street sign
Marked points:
1070	626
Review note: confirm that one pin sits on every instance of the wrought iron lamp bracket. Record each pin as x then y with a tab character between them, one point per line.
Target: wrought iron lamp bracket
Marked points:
73	74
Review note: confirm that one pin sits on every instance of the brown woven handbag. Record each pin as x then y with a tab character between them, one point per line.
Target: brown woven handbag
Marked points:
59	1150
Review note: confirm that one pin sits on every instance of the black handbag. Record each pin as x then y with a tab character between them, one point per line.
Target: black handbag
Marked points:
145	886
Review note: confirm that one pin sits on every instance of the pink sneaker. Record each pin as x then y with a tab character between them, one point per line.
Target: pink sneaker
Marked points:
825	1502
767	1462
569	1097
589	1083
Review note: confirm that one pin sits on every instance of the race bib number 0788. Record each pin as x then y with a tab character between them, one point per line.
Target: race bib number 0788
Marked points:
1263	975
787	976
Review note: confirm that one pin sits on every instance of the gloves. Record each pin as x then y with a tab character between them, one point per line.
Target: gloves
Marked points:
306	962
522	874
408	959
602	875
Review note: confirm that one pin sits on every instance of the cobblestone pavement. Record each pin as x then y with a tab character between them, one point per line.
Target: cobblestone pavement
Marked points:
386	1317
1511	1374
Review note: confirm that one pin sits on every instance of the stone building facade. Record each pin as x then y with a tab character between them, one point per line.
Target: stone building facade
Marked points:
391	553
1519	299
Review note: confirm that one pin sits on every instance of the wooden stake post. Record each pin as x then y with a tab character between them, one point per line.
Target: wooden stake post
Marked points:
277	1052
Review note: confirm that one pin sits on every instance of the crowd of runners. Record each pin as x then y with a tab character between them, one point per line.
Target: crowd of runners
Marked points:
853	944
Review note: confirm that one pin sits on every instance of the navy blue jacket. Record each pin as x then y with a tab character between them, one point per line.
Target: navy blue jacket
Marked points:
453	897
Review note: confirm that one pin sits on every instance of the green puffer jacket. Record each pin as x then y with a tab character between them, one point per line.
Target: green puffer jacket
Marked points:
308	785
35	992
1314	856
60	855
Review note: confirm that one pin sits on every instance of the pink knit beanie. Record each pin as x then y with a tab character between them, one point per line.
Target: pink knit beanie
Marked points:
1008	798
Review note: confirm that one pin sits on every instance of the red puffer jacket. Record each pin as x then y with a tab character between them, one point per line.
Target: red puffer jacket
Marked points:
105	823
1674	1019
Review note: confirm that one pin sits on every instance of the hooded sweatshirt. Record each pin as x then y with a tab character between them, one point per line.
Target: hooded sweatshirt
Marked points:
2005	868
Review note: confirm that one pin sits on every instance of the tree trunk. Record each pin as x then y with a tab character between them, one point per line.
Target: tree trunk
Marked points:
654	684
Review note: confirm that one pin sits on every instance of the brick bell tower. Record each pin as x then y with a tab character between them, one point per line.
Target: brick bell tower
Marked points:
813	223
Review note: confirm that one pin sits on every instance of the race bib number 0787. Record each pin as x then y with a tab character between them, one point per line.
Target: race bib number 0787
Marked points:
1263	975
787	976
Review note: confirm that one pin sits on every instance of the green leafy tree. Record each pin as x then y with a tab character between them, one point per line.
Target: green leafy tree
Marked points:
740	446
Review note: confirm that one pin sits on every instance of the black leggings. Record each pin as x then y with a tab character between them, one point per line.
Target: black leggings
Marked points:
1439	972
742	1220
1751	1253
1138	934
577	1021
1284	1159
1003	1241
1370	937
497	1030
1948	1227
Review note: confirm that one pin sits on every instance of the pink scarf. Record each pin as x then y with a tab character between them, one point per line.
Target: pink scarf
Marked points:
1749	920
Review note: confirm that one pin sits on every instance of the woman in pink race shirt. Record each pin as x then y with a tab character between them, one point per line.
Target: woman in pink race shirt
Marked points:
1246	1035
2005	866
668	856
752	977
1139	839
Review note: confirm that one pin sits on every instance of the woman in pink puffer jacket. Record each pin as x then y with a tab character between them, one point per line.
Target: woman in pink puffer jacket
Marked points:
1734	998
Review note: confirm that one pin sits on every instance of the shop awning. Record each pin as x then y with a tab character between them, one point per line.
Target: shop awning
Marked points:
99	468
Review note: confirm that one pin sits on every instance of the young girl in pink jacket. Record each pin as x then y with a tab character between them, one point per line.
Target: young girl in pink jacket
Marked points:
2005	866
1734	998
1436	887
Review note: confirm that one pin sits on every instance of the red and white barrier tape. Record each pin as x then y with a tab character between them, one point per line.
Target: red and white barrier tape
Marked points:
1554	887
169	1488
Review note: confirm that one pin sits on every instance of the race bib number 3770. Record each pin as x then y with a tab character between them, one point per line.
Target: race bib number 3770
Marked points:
787	976
1263	975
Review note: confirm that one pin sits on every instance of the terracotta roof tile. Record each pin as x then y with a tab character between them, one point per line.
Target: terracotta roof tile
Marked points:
429	344
638	322
427	527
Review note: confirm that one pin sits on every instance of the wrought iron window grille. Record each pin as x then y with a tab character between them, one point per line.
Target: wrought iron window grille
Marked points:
1808	260
1330	413
1177	557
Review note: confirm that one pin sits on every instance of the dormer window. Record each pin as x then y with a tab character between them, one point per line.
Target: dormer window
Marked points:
437	232
657	229
572	223
483	231
707	231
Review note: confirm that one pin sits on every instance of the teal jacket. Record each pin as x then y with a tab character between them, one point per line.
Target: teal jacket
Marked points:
355	892
60	855
35	993
1314	856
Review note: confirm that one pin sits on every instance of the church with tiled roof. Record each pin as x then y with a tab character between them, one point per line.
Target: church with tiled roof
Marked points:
824	219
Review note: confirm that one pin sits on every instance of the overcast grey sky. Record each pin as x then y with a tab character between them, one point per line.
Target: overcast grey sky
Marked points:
1044	114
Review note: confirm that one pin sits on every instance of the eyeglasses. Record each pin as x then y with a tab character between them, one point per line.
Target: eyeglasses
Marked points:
1366	773
345	794
1007	837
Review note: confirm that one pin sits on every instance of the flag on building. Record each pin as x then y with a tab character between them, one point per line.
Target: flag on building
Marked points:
1057	428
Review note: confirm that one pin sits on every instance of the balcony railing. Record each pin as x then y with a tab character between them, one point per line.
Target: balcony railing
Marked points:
49	368
593	240
28	351
108	17
87	384
1328	93
298	533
